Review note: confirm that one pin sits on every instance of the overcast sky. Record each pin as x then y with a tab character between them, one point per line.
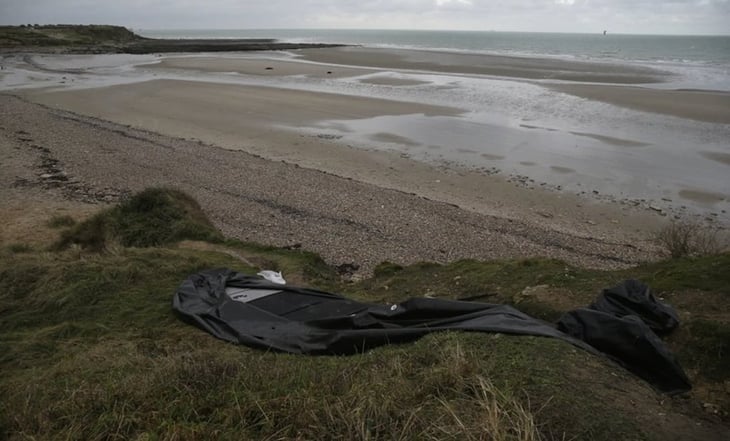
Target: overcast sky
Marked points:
618	16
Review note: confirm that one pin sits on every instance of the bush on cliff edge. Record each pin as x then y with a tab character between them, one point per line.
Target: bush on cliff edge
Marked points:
153	217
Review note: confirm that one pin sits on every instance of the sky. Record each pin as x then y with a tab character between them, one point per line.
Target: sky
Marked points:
617	16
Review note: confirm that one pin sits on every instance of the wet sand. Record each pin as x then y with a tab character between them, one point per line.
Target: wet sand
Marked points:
503	66
255	119
297	126
390	81
254	66
722	158
707	106
222	108
363	208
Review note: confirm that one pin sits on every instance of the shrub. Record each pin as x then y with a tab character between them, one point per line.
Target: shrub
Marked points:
156	216
19	248
689	239
61	221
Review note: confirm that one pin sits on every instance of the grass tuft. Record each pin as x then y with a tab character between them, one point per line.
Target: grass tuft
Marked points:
153	217
17	248
681	239
61	221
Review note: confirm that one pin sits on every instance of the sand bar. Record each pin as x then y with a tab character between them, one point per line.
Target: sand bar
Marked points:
257	66
505	66
705	106
195	109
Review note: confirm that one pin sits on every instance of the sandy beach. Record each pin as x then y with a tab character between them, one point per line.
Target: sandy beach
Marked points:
256	199
313	149
706	106
700	105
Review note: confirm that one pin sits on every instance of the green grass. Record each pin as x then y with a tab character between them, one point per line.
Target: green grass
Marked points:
153	217
90	349
61	221
17	248
65	35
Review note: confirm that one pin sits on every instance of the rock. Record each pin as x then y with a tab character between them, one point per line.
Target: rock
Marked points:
531	292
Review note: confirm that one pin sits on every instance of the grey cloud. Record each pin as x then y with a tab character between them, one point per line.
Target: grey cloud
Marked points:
630	16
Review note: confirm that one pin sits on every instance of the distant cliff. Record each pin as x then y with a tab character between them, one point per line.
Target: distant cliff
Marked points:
65	35
118	39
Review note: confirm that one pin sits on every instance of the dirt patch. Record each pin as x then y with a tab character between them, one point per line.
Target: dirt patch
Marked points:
25	216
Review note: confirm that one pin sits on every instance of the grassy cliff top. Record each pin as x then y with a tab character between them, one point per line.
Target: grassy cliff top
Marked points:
118	39
65	35
90	347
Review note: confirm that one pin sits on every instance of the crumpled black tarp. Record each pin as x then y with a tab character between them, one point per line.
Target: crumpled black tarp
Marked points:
622	323
252	311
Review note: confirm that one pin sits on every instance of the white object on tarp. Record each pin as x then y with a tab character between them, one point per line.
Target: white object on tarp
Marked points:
272	276
245	295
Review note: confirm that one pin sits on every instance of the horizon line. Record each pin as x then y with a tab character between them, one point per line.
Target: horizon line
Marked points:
600	32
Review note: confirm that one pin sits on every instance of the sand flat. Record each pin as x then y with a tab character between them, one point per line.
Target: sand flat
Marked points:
703	197
189	107
721	157
620	142
392	81
390	214
393	139
257	66
248	118
324	130
462	63
707	106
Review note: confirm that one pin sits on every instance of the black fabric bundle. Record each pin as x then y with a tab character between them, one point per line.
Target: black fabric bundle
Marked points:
252	311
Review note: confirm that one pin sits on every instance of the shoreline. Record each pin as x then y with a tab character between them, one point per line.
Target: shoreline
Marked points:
269	130
200	99
285	204
204	108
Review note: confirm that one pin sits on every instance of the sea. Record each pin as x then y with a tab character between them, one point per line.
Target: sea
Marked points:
702	62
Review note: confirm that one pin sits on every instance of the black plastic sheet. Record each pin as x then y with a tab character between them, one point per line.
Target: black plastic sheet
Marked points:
252	311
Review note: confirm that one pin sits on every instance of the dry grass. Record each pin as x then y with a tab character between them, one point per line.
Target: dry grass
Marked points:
503	418
684	238
90	349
